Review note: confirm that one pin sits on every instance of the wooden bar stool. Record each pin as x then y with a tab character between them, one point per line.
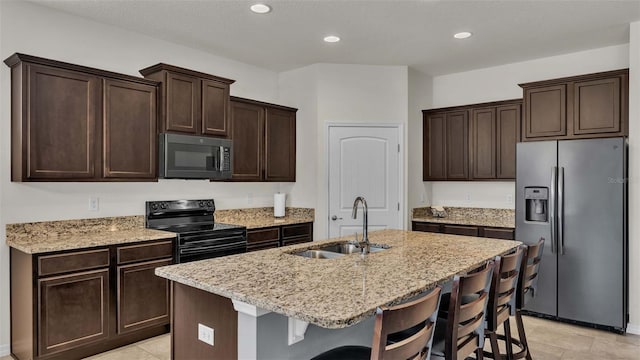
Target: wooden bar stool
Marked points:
528	284
420	314
502	300
462	332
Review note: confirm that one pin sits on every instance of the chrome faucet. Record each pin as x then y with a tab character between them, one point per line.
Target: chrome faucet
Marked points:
365	223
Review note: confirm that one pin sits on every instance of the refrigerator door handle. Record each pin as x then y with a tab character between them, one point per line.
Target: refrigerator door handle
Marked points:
561	211
552	208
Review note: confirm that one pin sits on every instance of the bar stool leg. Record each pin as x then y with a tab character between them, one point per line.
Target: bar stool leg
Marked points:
521	334
479	354
495	350
507	335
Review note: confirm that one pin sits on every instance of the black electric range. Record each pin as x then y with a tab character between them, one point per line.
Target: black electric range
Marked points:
198	235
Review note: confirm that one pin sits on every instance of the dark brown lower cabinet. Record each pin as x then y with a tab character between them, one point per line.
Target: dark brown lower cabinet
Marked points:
74	310
275	236
143	297
467	230
77	303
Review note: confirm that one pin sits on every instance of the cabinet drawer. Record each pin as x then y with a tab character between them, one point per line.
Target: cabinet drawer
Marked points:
461	230
143	252
498	233
268	234
296	240
290	231
75	261
263	245
427	227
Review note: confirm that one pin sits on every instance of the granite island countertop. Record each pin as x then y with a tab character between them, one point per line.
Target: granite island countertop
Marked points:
499	218
48	236
340	292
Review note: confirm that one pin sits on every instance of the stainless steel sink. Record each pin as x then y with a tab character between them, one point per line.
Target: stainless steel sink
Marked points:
333	251
318	254
349	248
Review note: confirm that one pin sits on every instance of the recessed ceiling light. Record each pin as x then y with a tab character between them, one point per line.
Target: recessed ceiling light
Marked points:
462	35
331	39
260	8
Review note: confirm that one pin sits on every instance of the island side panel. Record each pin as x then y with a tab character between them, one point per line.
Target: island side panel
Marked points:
272	338
190	307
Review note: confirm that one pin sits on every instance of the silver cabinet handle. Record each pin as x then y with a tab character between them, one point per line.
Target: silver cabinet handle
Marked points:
334	218
561	211
552	209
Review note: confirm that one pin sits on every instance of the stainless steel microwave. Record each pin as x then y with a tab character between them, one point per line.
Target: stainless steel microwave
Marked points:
194	157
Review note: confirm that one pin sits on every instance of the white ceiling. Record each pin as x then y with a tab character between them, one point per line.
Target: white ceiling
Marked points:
375	32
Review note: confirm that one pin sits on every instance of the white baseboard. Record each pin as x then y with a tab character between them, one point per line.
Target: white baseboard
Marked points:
5	350
633	329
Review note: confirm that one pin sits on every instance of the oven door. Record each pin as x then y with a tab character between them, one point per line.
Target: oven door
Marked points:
194	157
206	246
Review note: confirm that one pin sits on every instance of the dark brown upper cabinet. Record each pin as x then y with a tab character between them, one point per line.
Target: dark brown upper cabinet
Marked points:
585	106
457	145
433	147
74	123
192	102
264	141
471	142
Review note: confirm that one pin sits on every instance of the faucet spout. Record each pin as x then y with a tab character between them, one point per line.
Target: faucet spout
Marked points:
365	221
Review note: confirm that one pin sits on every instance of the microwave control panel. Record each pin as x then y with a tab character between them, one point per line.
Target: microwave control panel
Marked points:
226	159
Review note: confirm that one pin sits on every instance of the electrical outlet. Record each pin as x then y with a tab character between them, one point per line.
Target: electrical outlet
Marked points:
467	197
423	198
94	204
205	334
509	199
250	198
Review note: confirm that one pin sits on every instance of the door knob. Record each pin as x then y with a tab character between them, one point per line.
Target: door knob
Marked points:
334	218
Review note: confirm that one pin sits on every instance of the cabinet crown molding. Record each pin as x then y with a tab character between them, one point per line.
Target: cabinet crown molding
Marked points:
18	58
475	106
176	69
593	76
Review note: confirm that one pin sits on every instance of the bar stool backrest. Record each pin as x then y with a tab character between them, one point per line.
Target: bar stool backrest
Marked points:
466	320
504	286
529	273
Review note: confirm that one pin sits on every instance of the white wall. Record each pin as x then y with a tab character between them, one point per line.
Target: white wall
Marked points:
501	83
344	94
39	31
420	98
634	178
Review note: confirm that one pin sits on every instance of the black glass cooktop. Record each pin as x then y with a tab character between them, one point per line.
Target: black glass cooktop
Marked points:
188	228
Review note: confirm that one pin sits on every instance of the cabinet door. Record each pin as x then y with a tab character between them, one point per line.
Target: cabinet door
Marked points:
130	139
143	297
483	143
433	147
182	101
73	310
280	145
545	111
457	145
596	106
508	135
215	108
60	126
247	132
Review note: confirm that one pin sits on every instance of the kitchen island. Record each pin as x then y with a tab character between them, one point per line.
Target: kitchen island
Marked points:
289	306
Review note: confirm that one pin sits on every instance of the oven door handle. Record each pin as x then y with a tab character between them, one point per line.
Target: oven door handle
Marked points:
210	240
205	249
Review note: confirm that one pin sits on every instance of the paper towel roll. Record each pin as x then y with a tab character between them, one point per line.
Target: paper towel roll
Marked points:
278	204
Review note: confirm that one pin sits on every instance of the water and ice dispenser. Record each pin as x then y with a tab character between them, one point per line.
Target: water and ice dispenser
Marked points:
537	203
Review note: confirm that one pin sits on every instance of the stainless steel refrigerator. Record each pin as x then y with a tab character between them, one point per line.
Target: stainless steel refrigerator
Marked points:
573	193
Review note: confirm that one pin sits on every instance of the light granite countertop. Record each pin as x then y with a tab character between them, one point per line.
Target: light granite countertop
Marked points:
254	218
48	236
501	218
337	293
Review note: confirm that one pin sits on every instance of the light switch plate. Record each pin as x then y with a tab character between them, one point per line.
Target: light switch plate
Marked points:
205	334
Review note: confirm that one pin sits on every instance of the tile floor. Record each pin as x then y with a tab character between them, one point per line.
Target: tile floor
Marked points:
548	340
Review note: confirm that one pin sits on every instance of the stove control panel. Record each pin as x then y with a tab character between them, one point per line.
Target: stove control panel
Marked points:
177	206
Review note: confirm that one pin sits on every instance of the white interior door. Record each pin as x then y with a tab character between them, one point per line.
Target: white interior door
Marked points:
364	161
